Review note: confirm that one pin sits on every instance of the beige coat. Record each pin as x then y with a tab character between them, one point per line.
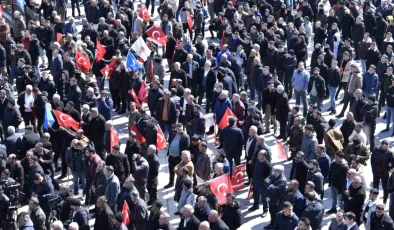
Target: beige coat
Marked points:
355	83
346	72
139	25
333	140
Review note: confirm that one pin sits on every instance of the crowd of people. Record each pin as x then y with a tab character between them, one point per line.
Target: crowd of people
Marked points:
245	74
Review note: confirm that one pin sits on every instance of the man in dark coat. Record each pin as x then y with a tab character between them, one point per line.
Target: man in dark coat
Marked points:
29	140
154	216
207	81
75	94
276	184
155	93
294	196
231	139
299	171
96	131
80	214
120	163
282	111
192	222
285	219
16	170
12	116
166	113
13	141
153	173
354	198
104	215
43	189
215	222
314	211
34	168
231	213
139	213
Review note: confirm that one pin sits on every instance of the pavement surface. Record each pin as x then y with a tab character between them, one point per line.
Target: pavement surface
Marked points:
251	220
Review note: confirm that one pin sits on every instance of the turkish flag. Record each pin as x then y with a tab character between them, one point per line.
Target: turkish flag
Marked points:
224	122
66	120
100	51
189	20
140	137
152	69
1	11
59	37
161	141
144	14
82	62
282	150
157	35
250	191
125	213
135	99
221	186
298	6
176	45
114	138
143	93
234	3
222	41
238	177
108	69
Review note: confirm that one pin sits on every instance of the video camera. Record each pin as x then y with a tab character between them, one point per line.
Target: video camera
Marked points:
11	190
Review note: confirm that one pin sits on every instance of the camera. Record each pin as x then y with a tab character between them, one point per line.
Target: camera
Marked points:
11	190
54	201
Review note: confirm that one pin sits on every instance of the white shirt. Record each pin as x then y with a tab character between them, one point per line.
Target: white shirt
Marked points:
248	143
361	135
348	183
29	101
185	222
184	106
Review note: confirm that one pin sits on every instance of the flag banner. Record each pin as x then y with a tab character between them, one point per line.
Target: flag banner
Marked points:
140	137
221	186
132	63
114	138
141	49
250	191
48	117
161	141
282	150
108	69
238	177
189	20
224	122
125	213
135	99
66	120
100	51
157	35
82	62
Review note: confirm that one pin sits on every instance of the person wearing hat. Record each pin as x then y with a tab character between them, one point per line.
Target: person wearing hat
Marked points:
120	163
333	138
80	215
138	214
355	82
276	184
104	216
95	130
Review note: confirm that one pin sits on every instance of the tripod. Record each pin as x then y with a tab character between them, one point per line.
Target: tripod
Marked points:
9	222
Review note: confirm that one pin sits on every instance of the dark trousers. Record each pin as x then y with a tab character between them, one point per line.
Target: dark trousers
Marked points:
342	85
115	93
40	125
149	2
347	99
141	190
64	164
172	162
282	129
369	130
185	29
152	190
237	161
384	177
75	4
28	118
273	209
382	101
259	193
124	96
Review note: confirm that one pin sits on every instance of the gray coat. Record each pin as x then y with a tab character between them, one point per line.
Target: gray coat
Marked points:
308	146
140	171
112	189
38	218
187	197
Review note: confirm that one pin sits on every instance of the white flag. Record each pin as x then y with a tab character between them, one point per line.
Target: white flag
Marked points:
141	48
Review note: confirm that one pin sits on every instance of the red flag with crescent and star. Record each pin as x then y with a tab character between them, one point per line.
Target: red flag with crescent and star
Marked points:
224	122
189	20
82	62
139	137
100	51
221	186
238	177
66	120
144	14
161	141
143	93
135	99
59	37
108	69
282	151
157	35
114	138
125	213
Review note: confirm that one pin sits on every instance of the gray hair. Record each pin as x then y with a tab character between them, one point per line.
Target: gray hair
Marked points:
47	136
205	224
166	215
219	165
11	130
254	128
74	226
188	207
153	147
280	88
56	96
57	224
278	168
186	153
236	95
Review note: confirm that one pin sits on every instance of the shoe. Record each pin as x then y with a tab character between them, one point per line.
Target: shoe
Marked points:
279	137
121	112
341	102
169	185
270	226
266	132
177	213
385	130
332	112
76	193
58	169
253	208
339	115
330	109
332	211
264	214
384	116
61	177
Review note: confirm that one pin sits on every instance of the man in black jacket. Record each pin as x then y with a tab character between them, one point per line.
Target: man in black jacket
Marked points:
192	222
381	162
40	102
16	170
104	215
29	140
79	215
166	113
317	88
370	113
299	171
96	130
354	198
120	163
153	173
379	219
215	222
154	216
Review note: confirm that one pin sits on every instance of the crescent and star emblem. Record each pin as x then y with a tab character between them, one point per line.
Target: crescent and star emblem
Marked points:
153	35
222	191
239	178
160	138
83	61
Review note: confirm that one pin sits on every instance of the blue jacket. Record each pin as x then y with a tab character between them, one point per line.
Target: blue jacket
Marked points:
370	83
220	108
70	29
300	80
314	212
324	164
283	222
105	108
